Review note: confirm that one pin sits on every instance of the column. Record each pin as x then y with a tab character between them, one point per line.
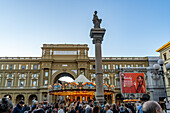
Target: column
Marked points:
90	97
111	77
41	77
16	79
3	79
49	77
113	99
28	79
40	97
86	98
49	98
26	99
75	98
80	98
97	35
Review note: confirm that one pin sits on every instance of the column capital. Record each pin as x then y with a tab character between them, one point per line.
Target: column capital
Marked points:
97	34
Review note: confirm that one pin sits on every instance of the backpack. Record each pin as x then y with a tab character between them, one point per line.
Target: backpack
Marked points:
140	109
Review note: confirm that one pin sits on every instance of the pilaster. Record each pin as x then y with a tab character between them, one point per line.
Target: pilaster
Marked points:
16	79
41	77
3	79
49	77
28	79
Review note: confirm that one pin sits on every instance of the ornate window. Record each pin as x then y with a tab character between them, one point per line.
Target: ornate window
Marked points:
31	66
105	66
7	66
46	82
23	67
21	83
93	67
19	66
2	66
35	66
109	66
38	66
113	66
90	66
46	74
26	66
22	75
35	75
10	67
14	66
118	82
9	83
34	83
10	75
164	55
117	66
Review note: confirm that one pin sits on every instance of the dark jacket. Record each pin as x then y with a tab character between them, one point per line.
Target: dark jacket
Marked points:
72	111
17	109
114	110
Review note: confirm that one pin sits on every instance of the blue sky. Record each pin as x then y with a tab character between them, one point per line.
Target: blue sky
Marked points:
133	27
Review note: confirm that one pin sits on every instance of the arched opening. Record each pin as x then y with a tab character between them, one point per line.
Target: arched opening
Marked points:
8	96
67	77
31	98
119	99
19	98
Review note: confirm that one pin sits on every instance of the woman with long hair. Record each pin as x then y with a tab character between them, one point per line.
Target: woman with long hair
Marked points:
140	88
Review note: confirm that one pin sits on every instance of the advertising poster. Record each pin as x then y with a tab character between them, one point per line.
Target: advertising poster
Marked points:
132	83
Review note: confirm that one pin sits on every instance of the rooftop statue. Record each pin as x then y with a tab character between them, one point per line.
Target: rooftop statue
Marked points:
96	21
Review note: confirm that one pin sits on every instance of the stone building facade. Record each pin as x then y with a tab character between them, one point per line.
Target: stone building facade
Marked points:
27	78
165	55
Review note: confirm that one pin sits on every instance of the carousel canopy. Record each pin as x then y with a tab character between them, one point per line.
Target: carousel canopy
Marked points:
81	78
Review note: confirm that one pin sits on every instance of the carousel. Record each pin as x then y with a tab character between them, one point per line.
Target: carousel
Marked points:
81	89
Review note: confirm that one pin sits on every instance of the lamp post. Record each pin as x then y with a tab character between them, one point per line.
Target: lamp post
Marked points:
122	75
159	69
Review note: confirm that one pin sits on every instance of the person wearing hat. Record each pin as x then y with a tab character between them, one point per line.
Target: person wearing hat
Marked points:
18	108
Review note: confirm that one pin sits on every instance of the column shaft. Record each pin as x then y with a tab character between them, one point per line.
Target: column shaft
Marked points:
41	77
3	80
49	77
16	79
99	73
28	79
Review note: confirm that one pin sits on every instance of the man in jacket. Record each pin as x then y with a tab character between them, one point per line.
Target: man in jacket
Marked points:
18	108
89	106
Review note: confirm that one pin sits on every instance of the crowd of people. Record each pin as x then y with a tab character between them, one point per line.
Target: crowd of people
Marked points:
6	106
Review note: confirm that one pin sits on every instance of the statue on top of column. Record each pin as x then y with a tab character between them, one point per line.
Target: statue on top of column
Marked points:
96	21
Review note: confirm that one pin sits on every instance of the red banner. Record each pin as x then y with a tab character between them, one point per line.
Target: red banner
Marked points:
132	83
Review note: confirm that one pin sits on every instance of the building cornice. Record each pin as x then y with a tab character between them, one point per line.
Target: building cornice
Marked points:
163	47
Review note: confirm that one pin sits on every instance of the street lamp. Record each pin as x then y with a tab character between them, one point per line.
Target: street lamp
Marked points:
122	75
159	69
